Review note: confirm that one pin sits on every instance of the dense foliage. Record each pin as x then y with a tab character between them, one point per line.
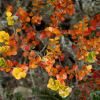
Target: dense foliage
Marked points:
55	39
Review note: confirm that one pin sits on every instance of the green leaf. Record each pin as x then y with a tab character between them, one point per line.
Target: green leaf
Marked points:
90	57
2	62
95	95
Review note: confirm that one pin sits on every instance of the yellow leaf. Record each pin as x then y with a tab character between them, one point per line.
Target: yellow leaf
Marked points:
8	14
53	85
18	73
64	91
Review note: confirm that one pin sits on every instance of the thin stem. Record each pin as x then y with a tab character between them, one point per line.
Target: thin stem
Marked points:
43	48
33	83
1	92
